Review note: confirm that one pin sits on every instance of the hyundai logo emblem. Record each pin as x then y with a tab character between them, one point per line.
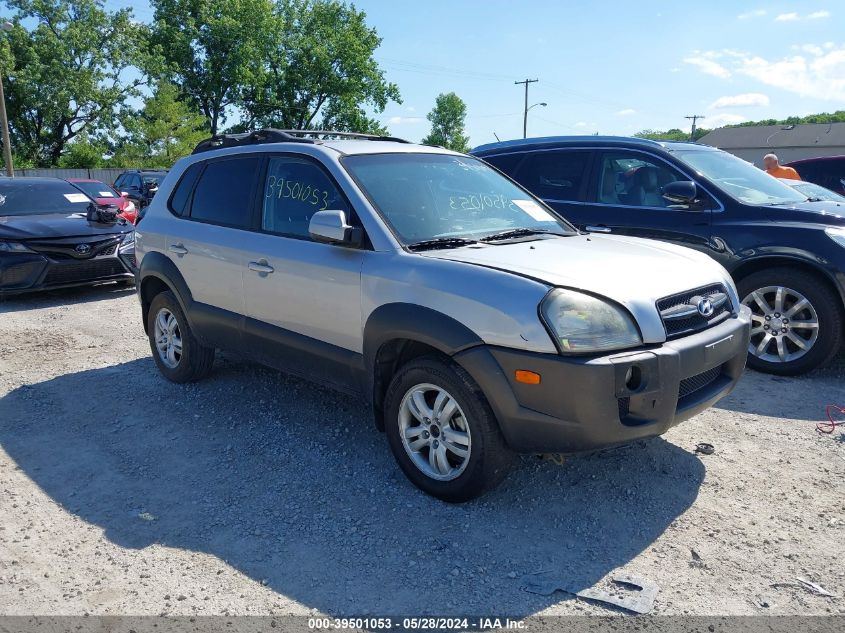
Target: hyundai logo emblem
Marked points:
705	307
83	249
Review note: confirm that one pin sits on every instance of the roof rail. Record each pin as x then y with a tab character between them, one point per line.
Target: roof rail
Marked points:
273	135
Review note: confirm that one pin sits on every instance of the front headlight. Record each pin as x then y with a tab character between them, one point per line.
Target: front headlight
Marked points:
837	234
14	247
129	238
582	323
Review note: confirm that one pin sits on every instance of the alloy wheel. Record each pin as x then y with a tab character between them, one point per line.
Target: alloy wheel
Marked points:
434	432
168	338
785	325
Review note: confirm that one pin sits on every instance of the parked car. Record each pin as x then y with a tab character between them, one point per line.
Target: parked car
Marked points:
476	321
105	195
827	171
47	240
140	185
814	192
786	254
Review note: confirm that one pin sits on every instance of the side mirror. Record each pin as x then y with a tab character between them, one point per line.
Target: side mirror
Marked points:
682	192
331	227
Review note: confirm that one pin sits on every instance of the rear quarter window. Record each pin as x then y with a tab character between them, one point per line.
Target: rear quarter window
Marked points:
179	201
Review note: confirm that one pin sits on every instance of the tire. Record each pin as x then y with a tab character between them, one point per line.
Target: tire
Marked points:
781	290
471	424
194	361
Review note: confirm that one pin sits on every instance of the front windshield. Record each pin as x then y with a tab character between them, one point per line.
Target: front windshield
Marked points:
440	196
97	189
740	179
817	192
19	196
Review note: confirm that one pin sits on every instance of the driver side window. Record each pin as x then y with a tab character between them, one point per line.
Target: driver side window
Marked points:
632	180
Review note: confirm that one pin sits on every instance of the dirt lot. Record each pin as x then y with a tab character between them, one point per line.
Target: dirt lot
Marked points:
254	493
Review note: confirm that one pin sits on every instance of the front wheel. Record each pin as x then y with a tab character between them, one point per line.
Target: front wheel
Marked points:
796	321
442	431
178	354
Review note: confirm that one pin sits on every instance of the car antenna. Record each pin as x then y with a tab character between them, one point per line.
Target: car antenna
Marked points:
497	137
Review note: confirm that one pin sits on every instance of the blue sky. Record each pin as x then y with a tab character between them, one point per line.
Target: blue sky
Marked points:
609	67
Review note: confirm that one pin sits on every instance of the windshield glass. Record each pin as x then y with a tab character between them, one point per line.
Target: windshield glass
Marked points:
816	192
97	189
25	197
740	179
152	179
435	196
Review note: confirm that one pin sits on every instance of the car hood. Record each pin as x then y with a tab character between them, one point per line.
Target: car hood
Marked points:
822	212
631	271
23	227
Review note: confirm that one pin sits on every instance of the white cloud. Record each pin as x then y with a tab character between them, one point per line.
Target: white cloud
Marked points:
740	101
724	118
817	74
758	13
708	66
410	109
794	17
404	120
581	124
626	112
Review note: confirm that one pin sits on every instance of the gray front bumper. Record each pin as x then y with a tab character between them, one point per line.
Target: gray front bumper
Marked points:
583	404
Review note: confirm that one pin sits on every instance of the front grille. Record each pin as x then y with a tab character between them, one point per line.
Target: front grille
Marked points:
88	270
19	274
680	326
624	405
698	382
65	248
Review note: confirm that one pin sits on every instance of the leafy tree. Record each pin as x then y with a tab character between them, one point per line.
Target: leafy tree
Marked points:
675	134
213	49
317	71
447	123
83	153
70	75
824	117
165	130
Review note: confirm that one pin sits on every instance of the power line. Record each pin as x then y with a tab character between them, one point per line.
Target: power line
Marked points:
525	112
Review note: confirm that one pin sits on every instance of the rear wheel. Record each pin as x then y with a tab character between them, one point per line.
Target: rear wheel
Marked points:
796	321
442	431
177	353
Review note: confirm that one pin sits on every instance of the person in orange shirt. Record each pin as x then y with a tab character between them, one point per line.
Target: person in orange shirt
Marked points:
774	168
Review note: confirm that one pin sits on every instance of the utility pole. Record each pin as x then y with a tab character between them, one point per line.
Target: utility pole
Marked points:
4	120
694	117
525	117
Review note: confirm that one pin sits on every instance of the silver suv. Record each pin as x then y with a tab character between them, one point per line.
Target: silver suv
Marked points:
476	322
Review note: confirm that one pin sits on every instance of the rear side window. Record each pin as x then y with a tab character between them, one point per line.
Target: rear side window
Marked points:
181	197
554	175
224	192
295	189
506	163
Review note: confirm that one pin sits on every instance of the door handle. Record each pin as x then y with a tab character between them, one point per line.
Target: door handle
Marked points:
179	249
261	267
598	229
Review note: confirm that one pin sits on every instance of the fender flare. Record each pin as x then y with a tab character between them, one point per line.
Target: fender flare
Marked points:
159	266
802	258
415	323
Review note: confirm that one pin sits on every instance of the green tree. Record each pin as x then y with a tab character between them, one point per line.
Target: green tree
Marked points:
447	123
317	71
674	134
165	130
83	153
213	49
70	75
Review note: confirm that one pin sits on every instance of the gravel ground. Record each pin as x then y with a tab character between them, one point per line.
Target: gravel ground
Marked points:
255	493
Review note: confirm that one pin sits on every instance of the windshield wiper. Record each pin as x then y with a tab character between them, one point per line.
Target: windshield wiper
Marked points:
440	242
504	235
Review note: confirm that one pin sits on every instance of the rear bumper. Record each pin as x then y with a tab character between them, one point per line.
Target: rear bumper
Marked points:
30	272
584	404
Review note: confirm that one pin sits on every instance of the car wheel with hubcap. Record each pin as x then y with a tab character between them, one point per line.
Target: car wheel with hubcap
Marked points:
177	353
796	321
442	431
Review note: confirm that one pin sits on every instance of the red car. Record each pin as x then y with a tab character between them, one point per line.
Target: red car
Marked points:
104	194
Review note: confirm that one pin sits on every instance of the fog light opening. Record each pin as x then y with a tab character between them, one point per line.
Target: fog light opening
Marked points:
633	378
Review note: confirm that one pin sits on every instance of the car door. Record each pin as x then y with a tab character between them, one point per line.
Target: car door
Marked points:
208	246
625	197
303	300
560	178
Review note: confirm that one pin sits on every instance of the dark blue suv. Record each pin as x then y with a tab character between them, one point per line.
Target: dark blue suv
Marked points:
786	254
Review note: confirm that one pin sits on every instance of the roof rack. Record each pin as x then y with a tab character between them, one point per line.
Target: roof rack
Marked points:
273	135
